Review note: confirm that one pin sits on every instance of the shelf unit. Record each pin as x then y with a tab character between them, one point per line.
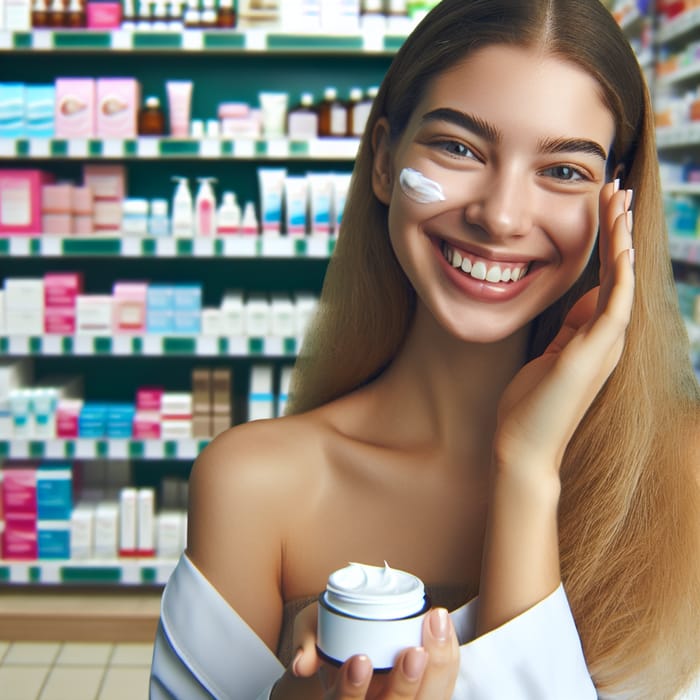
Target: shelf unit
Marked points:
224	65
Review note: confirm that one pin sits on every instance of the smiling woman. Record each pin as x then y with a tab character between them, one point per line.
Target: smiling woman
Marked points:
486	399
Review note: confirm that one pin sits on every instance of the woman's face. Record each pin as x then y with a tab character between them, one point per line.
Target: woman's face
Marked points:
517	141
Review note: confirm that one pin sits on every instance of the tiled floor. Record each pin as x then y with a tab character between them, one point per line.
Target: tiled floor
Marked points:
74	671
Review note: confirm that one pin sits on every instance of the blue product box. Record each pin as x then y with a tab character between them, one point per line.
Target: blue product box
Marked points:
189	322
12	110
92	422
160	297
54	491
187	297
159	321
53	539
39	110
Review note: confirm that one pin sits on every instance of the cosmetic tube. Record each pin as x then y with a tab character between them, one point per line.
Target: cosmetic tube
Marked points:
271	182
274	107
296	197
179	106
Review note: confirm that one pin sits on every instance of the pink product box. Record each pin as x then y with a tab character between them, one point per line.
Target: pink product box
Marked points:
68	417
103	15
19	540
59	321
57	224
130	307
83	225
75	108
148	398
20	200
62	288
118	101
82	201
106	181
146	425
56	198
19	492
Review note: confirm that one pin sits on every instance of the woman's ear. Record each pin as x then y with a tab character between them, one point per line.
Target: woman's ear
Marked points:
382	179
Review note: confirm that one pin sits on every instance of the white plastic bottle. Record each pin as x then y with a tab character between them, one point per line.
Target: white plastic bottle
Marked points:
205	208
183	214
228	216
249	224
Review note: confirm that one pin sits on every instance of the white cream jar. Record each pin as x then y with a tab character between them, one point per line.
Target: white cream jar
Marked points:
372	610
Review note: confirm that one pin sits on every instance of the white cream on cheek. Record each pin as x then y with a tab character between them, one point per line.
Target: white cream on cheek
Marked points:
419	188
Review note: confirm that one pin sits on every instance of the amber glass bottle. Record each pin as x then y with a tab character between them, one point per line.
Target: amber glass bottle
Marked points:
151	118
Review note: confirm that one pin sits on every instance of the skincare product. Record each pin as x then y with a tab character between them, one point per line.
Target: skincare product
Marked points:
271	183
249	222
183	213
372	610
179	106
145	522
332	114
302	121
274	113
419	188
296	202
159	221
117	107
321	202
12	115
205	208
75	108
261	395
151	118
228	216
341	184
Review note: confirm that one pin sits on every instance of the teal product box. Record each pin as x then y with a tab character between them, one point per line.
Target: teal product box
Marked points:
39	110
160	321
160	297
54	491
53	539
92	422
120	418
187	322
12	124
187	297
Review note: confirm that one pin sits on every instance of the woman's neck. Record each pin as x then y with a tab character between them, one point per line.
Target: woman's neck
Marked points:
444	391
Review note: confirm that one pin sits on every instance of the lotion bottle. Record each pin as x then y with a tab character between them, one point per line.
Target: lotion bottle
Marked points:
249	224
183	215
228	216
205	208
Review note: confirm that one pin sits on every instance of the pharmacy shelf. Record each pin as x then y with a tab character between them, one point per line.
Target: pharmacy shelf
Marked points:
235	246
678	27
139	572
197	40
147	345
678	136
685	249
155	147
682	188
102	448
681	75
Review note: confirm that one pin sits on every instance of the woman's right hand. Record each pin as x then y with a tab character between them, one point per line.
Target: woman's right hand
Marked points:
420	673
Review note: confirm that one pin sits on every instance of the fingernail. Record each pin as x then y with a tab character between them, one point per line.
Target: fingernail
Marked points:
297	658
359	669
414	663
438	624
628	199
629	219
630	252
616	184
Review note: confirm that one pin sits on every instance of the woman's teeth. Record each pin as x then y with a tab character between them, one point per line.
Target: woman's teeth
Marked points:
493	272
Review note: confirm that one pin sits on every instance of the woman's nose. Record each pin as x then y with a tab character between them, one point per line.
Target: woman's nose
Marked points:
502	208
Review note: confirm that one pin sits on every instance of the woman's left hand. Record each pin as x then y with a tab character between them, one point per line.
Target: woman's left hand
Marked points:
546	400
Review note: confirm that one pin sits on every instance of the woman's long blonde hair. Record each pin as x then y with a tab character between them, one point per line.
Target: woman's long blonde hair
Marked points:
630	506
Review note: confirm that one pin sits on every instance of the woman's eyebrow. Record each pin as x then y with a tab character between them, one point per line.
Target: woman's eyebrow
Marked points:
491	134
469	122
572	146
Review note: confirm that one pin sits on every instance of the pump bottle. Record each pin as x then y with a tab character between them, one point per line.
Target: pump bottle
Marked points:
205	208
183	215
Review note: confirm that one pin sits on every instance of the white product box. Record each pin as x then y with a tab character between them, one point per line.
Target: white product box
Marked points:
145	535
233	313
24	321
82	531
257	316
94	314
127	521
213	322
24	293
305	305
261	400
283	316
106	530
176	429
170	541
176	404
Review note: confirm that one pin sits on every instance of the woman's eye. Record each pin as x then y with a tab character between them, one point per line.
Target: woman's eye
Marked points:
566	173
456	148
